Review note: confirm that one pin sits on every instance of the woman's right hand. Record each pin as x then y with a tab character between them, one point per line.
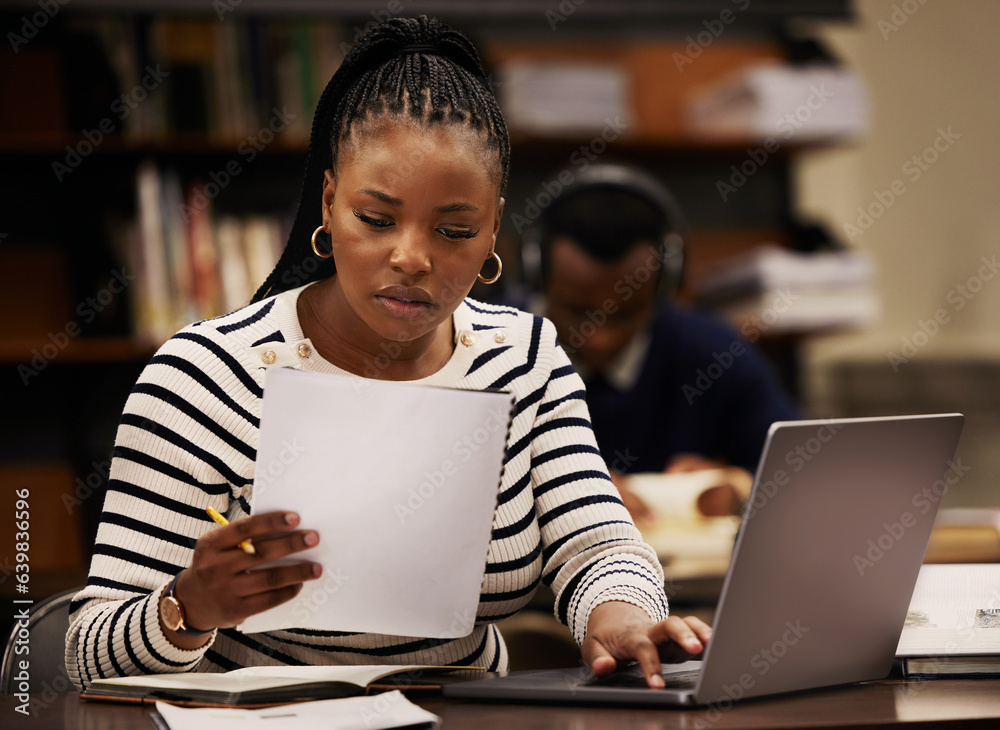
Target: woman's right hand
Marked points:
222	588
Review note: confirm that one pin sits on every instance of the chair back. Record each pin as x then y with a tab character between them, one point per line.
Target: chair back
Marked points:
47	624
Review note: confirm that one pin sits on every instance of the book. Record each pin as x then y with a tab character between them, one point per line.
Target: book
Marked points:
389	710
191	263
813	102
780	291
803	309
948	666
563	98
953	623
153	320
185	46
673	497
266	686
678	529
221	81
769	266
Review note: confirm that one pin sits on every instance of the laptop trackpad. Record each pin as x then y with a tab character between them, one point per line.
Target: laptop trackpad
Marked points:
675	676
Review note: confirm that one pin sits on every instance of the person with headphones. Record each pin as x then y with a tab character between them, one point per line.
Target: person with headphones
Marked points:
669	388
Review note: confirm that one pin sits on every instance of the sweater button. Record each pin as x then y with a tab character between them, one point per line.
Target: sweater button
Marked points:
468	339
500	337
269	357
304	350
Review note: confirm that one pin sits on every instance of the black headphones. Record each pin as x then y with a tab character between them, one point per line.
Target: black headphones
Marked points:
622	178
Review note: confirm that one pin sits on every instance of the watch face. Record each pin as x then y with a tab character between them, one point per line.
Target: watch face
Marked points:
170	610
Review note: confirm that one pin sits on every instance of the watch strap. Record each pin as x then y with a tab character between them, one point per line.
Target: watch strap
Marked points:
182	629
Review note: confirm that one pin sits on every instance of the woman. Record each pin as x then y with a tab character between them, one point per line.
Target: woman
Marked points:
401	204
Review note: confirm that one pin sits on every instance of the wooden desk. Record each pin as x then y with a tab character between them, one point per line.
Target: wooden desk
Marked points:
937	704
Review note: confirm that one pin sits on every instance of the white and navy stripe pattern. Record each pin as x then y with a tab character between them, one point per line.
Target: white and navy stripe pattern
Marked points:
188	438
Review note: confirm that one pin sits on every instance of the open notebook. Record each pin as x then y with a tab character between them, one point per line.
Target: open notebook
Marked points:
267	686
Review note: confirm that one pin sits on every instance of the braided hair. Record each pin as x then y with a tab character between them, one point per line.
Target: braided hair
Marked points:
404	68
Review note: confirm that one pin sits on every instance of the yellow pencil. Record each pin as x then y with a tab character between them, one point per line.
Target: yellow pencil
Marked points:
246	545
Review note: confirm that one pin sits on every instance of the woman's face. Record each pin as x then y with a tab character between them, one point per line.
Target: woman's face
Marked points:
413	214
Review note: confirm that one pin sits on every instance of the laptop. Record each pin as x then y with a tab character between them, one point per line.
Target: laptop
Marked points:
821	575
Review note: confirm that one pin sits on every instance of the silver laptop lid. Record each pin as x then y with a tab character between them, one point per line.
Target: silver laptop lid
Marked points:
828	553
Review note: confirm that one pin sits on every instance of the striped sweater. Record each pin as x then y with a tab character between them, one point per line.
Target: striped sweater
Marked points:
187	439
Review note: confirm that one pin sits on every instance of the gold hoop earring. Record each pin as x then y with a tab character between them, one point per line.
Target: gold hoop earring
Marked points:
496	275
316	248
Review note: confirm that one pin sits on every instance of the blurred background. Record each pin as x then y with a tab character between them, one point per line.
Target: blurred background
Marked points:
836	162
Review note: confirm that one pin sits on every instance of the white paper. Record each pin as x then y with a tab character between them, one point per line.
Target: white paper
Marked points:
954	610
555	98
679	530
400	480
674	497
826	102
387	710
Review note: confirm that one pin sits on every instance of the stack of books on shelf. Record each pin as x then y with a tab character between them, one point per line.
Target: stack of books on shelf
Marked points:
221	79
779	103
777	291
549	98
190	263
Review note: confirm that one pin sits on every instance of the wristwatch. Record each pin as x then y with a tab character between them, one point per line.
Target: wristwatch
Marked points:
172	612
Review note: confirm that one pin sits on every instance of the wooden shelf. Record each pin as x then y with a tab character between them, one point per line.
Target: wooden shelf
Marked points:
660	85
47	143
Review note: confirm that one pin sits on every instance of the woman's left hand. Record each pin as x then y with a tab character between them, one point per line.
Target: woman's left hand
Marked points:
621	631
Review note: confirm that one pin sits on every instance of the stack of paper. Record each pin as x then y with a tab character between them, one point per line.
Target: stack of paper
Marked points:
798	103
775	290
553	98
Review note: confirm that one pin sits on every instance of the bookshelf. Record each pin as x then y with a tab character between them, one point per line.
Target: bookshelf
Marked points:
66	232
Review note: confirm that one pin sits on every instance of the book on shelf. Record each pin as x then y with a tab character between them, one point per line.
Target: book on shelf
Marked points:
264	686
549	98
953	622
189	262
381	712
807	103
194	75
778	290
769	266
801	309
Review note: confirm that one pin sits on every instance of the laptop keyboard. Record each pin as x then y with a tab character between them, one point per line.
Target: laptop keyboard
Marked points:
632	676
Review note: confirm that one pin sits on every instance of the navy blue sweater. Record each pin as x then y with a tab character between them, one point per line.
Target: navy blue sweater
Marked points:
702	390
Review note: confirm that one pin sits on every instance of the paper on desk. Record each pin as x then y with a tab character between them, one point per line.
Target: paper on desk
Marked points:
401	482
387	710
673	497
679	530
